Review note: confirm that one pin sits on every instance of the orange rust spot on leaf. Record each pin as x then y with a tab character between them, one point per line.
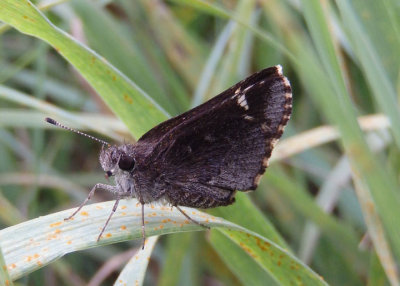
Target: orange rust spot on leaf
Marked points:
123	227
57	231
370	207
39	263
128	99
93	59
56	224
152	207
186	221
4	267
69	242
12	266
146	222
84	213
247	249
108	235
25	17
164	220
279	263
263	245
36	255
123	207
123	213
28	258
99	207
7	282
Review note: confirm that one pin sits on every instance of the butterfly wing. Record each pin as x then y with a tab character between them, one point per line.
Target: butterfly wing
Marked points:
202	156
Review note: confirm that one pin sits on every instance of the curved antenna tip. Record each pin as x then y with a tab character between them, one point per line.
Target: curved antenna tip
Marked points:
51	121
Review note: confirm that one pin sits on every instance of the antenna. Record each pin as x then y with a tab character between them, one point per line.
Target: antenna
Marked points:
52	121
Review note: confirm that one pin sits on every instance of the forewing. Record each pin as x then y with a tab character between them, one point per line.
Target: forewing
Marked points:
224	144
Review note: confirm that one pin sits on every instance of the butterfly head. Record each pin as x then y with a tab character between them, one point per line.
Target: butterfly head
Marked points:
115	159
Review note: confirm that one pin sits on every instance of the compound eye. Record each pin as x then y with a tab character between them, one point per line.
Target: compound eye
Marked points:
109	174
126	163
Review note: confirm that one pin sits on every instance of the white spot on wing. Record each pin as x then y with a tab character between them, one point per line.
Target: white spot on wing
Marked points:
247	88
279	69
286	82
248	118
264	127
237	91
242	101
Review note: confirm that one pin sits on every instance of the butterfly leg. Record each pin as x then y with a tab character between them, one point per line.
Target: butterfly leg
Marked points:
143	230
192	220
109	188
109	217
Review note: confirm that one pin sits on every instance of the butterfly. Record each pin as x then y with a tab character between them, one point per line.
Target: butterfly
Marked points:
202	157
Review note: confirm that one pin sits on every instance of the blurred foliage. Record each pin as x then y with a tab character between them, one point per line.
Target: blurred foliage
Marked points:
334	206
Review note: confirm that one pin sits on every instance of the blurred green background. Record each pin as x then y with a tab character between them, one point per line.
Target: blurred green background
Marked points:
331	196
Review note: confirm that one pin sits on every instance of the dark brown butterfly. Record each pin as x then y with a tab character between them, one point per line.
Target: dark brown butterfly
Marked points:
203	156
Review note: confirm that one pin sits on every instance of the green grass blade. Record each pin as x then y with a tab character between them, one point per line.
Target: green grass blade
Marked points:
304	205
371	64
138	111
210	67
175	253
101	29
230	68
239	262
254	220
376	232
5	278
339	110
185	52
280	264
31	245
135	270
376	275
212	9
